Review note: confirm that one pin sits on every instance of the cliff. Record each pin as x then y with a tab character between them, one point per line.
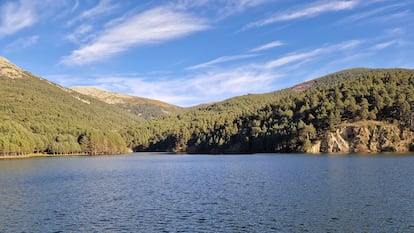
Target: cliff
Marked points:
364	137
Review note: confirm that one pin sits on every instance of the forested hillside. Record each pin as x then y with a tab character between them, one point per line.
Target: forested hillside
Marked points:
300	119
37	116
357	110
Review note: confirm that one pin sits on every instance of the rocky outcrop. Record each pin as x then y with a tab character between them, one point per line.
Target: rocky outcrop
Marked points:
365	137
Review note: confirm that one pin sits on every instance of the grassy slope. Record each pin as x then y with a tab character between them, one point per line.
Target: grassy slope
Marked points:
146	108
46	108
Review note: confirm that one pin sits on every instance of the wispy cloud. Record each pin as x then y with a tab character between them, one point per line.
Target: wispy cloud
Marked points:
192	90
383	14
384	45
223	81
153	26
396	31
237	6
85	26
292	58
103	7
225	59
227	80
21	44
81	34
374	12
230	82
75	5
267	46
405	15
304	56
307	12
16	16
221	60
222	8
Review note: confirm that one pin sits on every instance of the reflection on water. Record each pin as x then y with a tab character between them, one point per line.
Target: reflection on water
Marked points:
201	193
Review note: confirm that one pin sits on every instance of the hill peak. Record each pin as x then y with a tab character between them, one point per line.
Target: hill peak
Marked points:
3	60
9	70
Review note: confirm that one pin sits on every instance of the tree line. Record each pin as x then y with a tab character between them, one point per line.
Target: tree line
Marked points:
17	140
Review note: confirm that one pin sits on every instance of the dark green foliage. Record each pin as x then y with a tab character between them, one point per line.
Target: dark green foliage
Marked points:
40	117
95	142
411	147
15	139
37	116
150	110
285	121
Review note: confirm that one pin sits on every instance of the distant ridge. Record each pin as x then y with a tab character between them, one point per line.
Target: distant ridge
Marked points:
341	76
146	108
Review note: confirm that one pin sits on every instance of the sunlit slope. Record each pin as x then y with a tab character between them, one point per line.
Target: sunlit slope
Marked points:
146	108
49	112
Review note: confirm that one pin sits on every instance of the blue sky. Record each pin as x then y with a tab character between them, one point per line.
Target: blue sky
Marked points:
188	52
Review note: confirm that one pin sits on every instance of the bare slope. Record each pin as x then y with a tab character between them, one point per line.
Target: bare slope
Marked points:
146	108
9	70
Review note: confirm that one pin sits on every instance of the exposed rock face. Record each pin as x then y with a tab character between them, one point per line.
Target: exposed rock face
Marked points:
316	148
365	137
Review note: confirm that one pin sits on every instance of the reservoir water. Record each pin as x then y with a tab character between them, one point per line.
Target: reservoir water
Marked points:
207	193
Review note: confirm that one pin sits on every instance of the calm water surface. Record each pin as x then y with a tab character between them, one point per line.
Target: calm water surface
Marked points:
204	193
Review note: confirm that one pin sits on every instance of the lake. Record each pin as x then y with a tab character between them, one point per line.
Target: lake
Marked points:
149	192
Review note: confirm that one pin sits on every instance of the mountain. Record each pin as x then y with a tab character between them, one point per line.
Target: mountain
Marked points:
357	110
146	108
39	116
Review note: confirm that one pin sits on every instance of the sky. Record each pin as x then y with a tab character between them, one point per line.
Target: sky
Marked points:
188	52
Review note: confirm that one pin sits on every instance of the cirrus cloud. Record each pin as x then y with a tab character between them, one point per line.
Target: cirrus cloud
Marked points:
306	12
267	46
15	16
20	44
153	26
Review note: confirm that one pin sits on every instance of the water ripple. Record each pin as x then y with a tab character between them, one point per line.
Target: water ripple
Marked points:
159	193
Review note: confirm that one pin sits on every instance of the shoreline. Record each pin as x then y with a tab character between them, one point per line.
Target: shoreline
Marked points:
28	156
